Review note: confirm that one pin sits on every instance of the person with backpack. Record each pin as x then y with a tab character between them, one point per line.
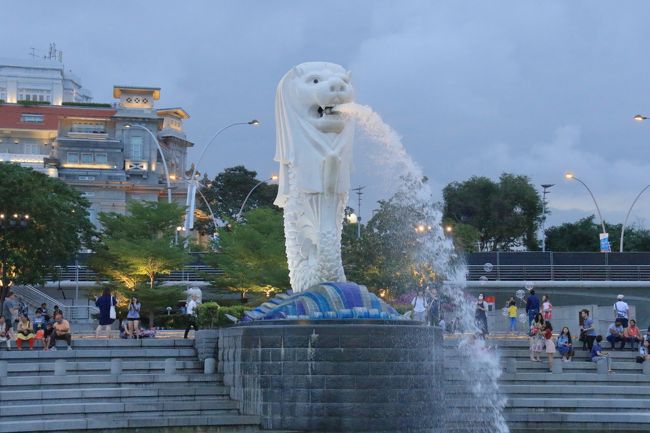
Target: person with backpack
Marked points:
621	311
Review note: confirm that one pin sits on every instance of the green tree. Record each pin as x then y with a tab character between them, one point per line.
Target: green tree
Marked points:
583	235
252	254
137	247
57	226
505	213
388	254
226	193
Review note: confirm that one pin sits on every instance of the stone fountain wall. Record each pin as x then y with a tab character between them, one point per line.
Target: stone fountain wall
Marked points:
336	376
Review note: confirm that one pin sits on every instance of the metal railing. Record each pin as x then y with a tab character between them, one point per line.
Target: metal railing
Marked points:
188	273
560	273
34	298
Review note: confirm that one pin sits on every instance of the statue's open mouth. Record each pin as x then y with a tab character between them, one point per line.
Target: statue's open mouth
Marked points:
327	111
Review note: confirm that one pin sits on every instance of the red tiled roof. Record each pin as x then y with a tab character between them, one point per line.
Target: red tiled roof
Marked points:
10	115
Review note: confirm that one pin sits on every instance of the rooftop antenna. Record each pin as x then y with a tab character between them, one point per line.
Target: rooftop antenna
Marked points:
32	52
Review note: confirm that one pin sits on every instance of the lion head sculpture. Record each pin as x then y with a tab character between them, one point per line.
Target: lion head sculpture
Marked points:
309	129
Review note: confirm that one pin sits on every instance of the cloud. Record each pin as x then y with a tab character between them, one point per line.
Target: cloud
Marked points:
474	87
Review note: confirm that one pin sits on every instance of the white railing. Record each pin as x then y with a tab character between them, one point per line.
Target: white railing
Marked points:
34	298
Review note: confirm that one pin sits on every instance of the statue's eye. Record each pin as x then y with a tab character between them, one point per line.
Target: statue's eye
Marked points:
315	80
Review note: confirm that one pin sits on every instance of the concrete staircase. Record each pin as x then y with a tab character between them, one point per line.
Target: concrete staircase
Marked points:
161	385
577	399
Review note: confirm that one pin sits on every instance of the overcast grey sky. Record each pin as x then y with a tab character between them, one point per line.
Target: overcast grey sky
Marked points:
474	87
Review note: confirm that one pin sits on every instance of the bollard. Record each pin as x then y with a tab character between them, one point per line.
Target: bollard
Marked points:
645	365
209	366
170	366
601	366
557	367
4	368
116	366
511	366
60	367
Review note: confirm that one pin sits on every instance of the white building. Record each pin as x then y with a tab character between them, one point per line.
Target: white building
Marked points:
44	80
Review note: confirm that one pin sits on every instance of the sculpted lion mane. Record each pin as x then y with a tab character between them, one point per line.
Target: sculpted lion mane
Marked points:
314	149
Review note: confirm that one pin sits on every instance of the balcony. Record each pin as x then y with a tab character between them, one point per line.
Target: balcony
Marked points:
88	135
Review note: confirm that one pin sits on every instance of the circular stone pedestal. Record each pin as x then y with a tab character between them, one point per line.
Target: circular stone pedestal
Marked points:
336	375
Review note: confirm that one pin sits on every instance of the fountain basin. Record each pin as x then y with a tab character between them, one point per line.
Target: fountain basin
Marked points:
335	375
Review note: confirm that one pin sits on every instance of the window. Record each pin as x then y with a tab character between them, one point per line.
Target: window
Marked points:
89	127
31	118
40	98
31	148
101	158
136	148
86	177
73	157
86	158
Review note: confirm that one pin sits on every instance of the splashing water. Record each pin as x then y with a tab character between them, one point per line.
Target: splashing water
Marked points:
472	395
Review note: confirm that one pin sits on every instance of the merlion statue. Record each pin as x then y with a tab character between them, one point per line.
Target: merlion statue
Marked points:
314	149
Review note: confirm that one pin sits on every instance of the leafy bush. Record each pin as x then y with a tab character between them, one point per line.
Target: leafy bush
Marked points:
212	315
25	102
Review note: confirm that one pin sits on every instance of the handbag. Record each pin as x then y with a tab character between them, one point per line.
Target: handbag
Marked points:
112	314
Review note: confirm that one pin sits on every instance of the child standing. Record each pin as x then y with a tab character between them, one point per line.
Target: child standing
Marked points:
512	316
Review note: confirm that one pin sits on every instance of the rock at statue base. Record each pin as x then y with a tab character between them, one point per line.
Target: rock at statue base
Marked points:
332	300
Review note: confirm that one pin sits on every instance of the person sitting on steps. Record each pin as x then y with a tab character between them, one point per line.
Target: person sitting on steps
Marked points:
565	345
615	334
598	356
632	335
61	331
25	332
5	332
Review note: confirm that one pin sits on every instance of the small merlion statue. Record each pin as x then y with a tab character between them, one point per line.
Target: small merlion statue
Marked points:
314	149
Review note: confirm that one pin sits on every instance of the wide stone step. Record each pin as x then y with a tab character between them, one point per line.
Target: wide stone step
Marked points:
36	382
88	409
90	367
591	417
136	399
577	378
116	391
138	354
110	422
563	404
582	390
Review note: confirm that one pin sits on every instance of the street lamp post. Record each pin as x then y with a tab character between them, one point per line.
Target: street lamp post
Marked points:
162	154
241	209
191	187
545	190
628	215
571	176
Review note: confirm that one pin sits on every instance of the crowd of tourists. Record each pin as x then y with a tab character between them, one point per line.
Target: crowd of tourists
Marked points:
42	329
622	332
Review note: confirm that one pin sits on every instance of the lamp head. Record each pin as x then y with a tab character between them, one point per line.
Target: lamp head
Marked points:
569	175
254	122
128	125
275	177
640	118
449	229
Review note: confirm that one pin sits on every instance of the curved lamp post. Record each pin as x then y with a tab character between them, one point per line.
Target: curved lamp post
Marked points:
571	176
628	215
189	219
162	154
241	209
638	118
